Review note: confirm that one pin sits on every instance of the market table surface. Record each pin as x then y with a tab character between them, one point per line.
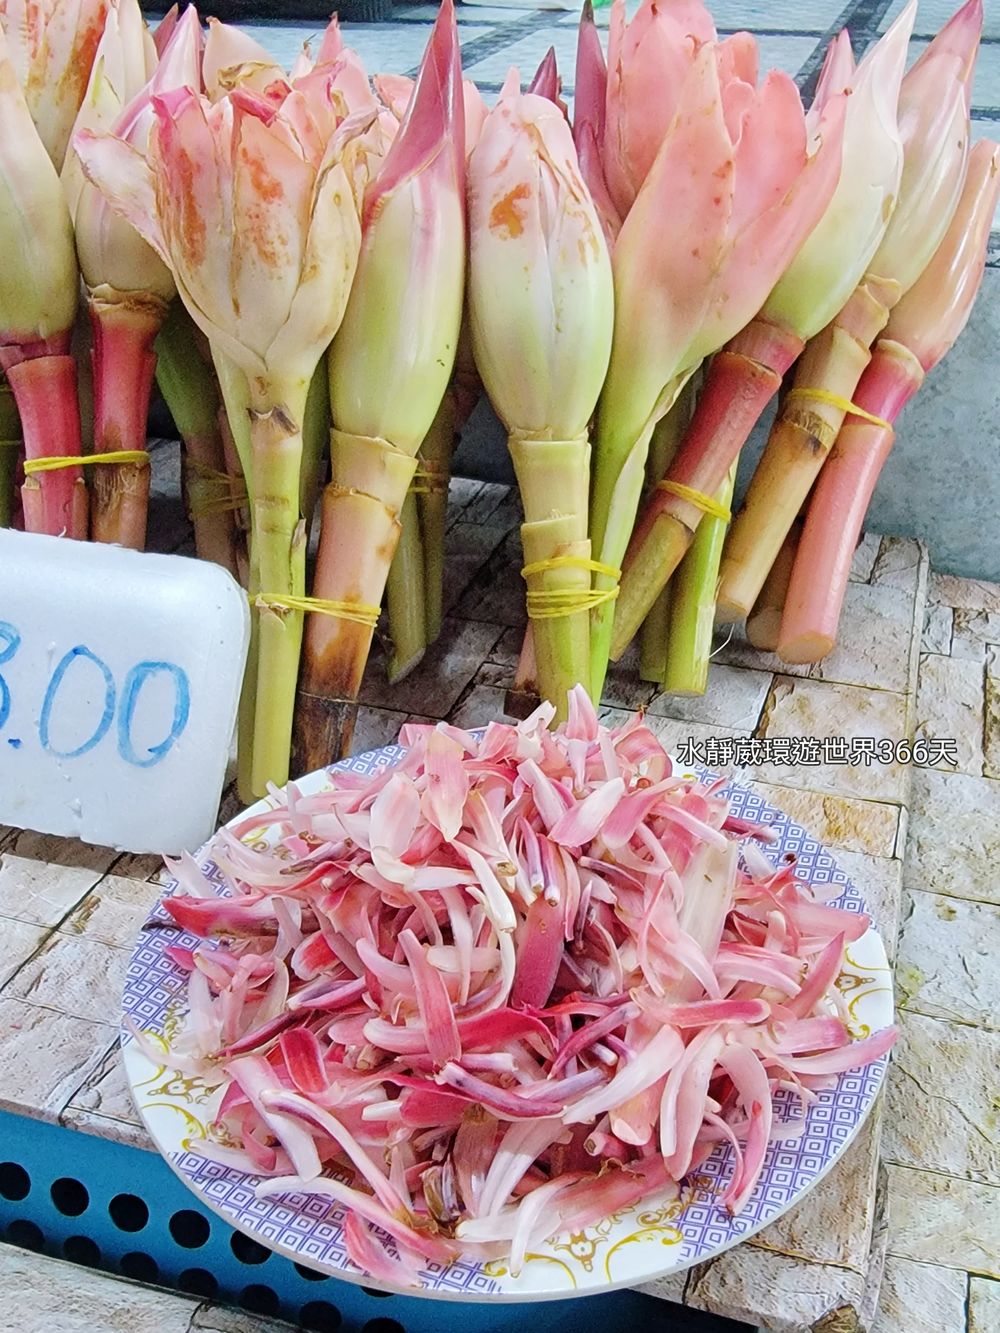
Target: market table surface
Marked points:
69	914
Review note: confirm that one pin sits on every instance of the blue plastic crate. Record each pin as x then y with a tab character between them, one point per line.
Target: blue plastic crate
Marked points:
109	1206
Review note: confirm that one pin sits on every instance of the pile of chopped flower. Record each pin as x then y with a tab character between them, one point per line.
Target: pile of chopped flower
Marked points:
507	987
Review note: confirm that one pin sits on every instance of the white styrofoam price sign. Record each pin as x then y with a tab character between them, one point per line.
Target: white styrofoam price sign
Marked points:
119	679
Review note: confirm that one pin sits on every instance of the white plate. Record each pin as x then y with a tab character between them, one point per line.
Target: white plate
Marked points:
638	1245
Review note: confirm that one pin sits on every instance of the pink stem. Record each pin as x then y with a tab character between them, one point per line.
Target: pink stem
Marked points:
741	381
838	506
43	378
124	366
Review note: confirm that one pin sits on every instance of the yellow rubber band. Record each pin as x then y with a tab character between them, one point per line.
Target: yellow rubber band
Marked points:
571	562
11	444
360	613
53	464
844	404
706	503
552	603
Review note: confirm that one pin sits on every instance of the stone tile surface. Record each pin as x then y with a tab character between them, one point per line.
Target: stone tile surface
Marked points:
946	964
623	687
984	1305
973	630
376	727
938	624
483	703
735	698
813	1230
45	1056
220	1319
782	1294
865	555
920	1298
496	594
897	561
106	1092
448	666
468	546
51	1296
941	1220
819	708
876	627
74	975
950	707
991	716
18	941
113	911
943	1100
43	877
967	594
954	845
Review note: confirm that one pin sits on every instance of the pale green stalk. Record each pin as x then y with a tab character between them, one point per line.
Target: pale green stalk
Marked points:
315	440
667	437
236	398
619	473
278	562
653	639
191	393
405	595
693	591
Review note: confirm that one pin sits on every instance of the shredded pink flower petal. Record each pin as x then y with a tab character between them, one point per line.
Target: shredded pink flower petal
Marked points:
512	985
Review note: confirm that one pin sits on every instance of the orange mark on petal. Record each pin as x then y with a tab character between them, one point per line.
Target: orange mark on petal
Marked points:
504	215
191	223
265	186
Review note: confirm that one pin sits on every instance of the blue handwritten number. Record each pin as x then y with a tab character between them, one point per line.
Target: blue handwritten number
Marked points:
50	697
134	682
10	641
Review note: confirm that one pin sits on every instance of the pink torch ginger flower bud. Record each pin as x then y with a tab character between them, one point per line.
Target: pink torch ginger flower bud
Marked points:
540	289
38	276
125	61
933	313
52	45
589	118
933	117
737	186
251	208
392	359
112	253
834	259
232	58
648	64
395	91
